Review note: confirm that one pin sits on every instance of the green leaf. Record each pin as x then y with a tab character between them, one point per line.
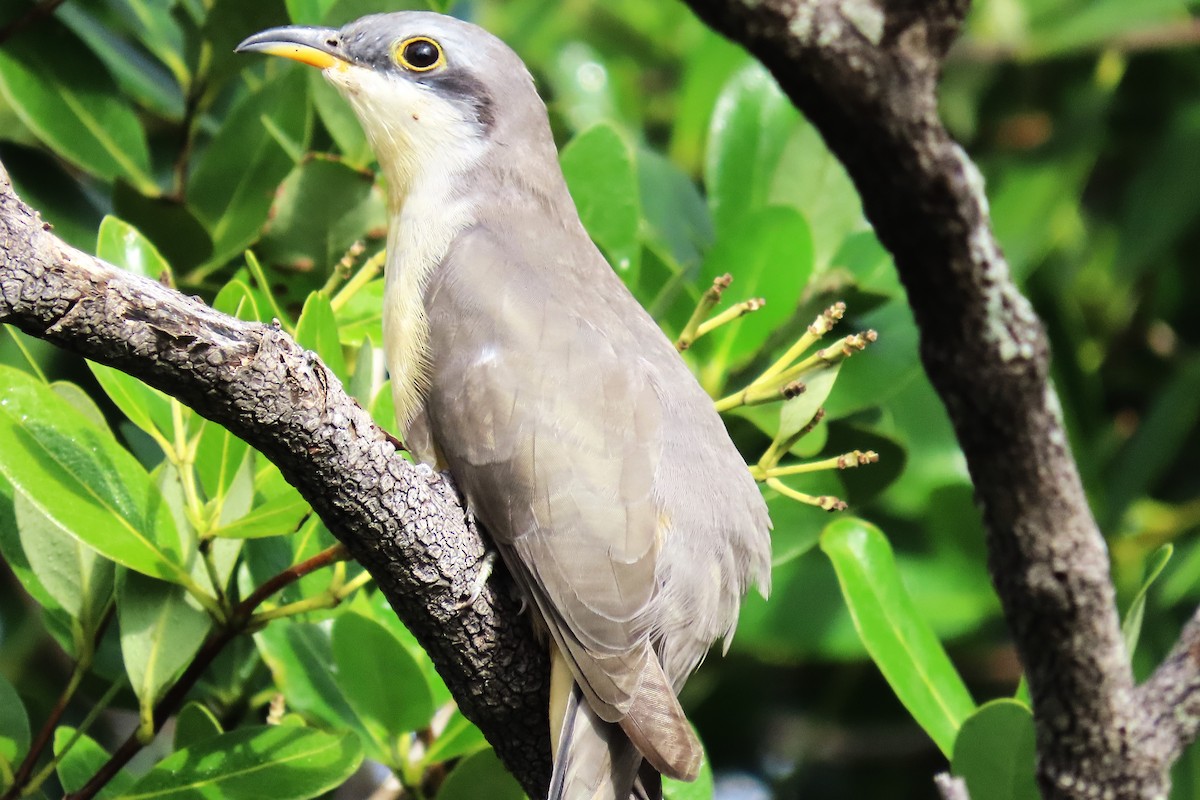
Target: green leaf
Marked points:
220	456
339	119
122	245
155	28
70	103
275	517
298	655
362	317
144	406
459	738
379	678
1161	202
194	724
995	752
171	225
234	182
900	642
78	476
282	762
749	128
138	76
321	209
308	12
600	171
237	299
161	630
481	775
810	179
83	760
676	216
770	255
794	414
14	724
79	579
317	331
1131	626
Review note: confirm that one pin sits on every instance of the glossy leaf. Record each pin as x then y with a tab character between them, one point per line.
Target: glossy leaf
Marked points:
144	406
122	245
79	477
479	774
275	517
900	642
379	678
601	174
769	254
14	724
219	457
1131	626
995	752
362	316
459	738
138	76
298	655
339	120
750	126
69	102
308	12
79	579
233	184
282	762
194	724
84	758
154	27
322	208
317	330
809	178
161	629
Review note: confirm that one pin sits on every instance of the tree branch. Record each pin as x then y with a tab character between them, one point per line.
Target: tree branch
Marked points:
404	524
865	73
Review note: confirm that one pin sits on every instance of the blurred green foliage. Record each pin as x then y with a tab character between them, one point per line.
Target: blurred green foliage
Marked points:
134	129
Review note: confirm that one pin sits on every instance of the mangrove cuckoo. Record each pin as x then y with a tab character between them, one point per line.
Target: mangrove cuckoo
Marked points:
521	363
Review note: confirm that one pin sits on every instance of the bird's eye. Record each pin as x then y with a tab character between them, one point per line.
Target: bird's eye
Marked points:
419	54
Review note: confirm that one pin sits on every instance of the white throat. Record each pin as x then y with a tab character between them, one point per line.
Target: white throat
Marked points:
426	149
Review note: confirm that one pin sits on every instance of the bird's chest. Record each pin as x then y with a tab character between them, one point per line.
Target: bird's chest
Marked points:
417	245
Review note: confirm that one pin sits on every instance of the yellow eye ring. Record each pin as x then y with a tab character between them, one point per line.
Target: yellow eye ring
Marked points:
418	54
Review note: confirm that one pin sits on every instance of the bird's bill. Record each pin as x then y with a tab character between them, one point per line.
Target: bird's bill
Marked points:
317	47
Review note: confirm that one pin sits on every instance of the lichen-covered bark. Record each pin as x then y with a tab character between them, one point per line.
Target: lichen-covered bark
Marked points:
865	73
404	524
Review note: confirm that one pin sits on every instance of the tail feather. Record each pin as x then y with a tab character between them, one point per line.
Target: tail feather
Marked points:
595	760
658	728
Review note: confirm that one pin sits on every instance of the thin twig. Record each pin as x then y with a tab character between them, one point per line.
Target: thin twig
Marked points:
239	621
46	733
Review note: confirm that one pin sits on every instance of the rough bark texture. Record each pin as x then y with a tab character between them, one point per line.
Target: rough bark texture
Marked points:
865	73
404	524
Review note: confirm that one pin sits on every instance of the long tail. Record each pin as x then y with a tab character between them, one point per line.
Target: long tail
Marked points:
595	760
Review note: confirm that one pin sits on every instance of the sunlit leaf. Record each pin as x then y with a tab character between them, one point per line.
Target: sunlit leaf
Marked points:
601	174
161	629
900	642
79	477
995	752
69	102
282	762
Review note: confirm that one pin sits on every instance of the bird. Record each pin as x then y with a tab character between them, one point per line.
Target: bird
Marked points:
522	364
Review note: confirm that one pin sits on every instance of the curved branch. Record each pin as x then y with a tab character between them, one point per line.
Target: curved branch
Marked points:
865	73
404	524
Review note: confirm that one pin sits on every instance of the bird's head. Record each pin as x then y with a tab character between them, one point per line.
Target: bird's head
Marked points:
433	93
